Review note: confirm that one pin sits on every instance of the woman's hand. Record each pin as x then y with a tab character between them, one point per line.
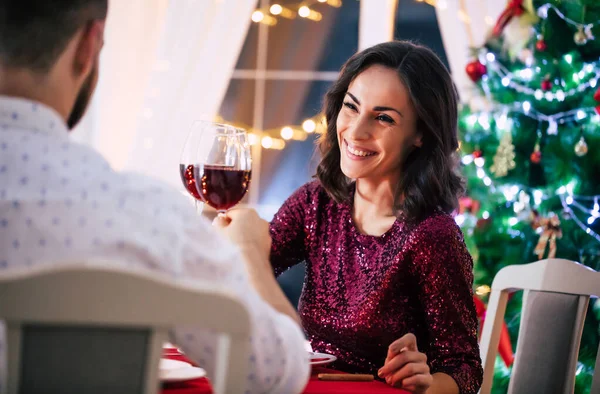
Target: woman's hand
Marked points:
405	367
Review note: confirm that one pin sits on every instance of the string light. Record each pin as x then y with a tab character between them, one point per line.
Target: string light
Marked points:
260	17
526	109
569	200
272	143
309	125
277	137
290	11
278	10
333	3
306	12
252	139
266	142
589	71
257	16
287	133
543	13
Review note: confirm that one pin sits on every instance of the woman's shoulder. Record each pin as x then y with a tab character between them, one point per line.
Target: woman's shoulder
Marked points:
310	193
436	228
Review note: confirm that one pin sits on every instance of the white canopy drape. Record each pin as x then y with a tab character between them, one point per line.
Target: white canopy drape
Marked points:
165	65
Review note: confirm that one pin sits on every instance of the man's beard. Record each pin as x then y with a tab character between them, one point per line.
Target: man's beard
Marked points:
83	99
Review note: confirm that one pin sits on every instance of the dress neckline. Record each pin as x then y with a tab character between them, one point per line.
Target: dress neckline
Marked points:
349	204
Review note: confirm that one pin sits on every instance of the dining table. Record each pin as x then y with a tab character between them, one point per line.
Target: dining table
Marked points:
314	386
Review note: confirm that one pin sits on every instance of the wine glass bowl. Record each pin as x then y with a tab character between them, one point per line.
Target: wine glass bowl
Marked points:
218	166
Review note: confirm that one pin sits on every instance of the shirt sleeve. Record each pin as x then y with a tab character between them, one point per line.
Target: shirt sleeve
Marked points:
278	361
443	269
287	231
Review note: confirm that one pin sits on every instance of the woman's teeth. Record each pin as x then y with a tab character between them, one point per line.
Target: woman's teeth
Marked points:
357	152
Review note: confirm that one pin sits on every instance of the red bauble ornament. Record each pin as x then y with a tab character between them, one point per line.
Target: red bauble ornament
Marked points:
536	157
546	85
598	109
477	154
476	70
483	224
597	95
540	45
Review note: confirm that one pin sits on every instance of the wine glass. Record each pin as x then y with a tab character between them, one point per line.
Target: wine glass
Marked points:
216	165
189	158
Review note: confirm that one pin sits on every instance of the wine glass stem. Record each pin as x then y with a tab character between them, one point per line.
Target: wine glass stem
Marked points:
222	214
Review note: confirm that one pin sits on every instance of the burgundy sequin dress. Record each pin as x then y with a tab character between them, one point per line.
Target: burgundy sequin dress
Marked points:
363	292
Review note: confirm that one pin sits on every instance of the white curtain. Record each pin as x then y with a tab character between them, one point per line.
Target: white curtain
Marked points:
465	23
373	28
196	57
166	64
132	32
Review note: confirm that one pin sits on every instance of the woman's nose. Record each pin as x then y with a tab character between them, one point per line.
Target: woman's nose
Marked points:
359	130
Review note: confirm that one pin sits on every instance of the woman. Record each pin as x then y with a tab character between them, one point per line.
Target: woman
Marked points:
388	286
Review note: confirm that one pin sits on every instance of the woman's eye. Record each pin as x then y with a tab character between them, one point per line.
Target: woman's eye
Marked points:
350	106
385	118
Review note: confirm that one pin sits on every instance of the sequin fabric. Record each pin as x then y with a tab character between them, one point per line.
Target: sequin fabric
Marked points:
363	292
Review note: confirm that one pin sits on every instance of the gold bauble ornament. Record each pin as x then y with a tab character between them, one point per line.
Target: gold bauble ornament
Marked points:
581	148
580	37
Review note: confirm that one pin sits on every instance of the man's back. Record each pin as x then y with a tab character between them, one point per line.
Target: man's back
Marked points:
61	202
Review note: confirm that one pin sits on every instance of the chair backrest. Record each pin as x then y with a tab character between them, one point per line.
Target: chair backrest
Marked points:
88	328
556	296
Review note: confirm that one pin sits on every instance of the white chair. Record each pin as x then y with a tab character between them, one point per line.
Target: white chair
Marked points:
555	301
90	329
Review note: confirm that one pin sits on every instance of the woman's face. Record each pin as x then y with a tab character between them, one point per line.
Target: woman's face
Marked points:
376	127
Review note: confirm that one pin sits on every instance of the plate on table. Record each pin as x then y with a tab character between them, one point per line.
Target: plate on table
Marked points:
321	358
178	371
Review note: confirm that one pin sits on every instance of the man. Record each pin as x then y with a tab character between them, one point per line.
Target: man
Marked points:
61	201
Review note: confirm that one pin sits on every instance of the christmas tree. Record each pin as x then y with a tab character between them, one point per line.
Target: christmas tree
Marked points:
530	134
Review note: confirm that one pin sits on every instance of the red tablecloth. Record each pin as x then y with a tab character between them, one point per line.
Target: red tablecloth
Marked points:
315	386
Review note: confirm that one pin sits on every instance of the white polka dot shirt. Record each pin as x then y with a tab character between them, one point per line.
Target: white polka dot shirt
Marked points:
61	202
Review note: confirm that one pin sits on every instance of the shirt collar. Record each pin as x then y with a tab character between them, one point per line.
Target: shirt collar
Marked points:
31	116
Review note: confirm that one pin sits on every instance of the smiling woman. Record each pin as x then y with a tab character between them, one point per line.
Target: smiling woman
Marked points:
399	96
374	137
388	285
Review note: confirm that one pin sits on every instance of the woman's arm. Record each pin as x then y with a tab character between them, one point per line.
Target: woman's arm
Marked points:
287	230
443	270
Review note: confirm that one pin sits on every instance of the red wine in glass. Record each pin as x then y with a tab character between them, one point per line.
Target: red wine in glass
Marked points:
215	165
189	181
221	187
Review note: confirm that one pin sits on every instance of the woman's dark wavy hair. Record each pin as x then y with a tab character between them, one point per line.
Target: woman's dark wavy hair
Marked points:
429	181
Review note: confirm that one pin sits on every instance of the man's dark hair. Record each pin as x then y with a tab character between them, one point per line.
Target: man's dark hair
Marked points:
33	33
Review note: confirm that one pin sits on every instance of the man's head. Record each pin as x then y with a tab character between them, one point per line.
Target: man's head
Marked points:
58	44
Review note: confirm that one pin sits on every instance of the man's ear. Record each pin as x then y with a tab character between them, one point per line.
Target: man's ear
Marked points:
91	41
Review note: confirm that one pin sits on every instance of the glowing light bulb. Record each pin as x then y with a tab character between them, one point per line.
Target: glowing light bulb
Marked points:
257	16
309	125
267	142
287	133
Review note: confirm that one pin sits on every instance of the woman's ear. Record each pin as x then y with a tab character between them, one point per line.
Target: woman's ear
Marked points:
418	140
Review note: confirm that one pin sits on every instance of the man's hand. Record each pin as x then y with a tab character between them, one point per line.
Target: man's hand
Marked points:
246	229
